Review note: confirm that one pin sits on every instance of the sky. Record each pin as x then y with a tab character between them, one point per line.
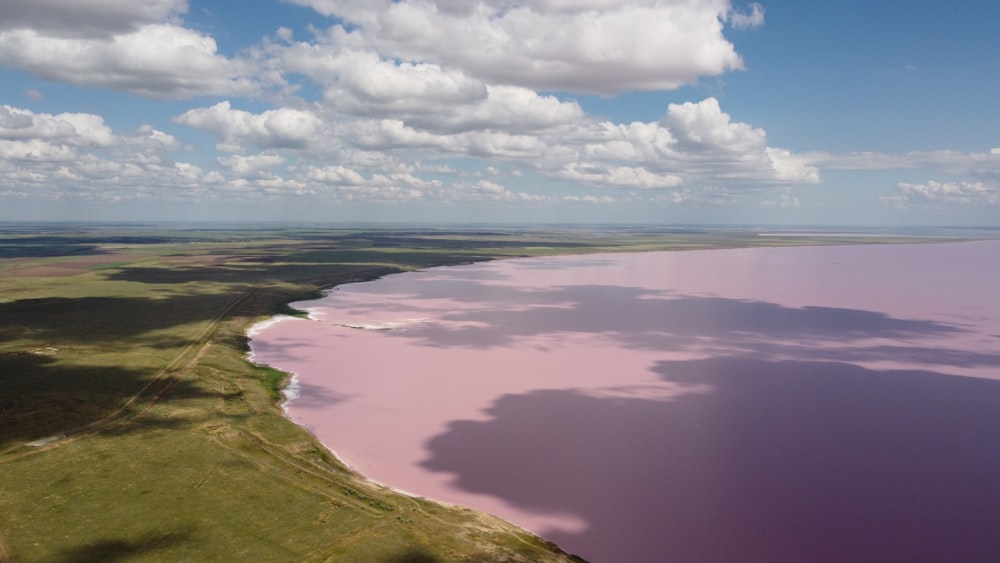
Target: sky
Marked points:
780	112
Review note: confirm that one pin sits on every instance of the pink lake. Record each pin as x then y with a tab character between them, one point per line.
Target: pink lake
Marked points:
835	403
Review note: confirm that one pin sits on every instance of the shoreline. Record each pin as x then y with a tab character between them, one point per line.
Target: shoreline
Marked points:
290	391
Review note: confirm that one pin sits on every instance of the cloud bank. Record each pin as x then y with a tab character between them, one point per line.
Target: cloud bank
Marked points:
441	101
592	46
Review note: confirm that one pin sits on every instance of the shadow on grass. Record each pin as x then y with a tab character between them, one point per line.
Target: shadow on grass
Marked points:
117	321
760	461
244	275
47	250
49	383
415	555
112	549
40	397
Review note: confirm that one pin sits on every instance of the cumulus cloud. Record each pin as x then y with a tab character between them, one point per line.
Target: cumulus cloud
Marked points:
89	18
429	96
278	128
156	60
34	149
703	126
366	83
335	175
631	176
595	46
694	143
408	88
29	136
393	134
508	108
75	129
742	20
250	166
136	47
79	155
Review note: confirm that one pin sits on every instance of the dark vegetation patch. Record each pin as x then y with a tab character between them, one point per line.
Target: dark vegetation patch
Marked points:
47	249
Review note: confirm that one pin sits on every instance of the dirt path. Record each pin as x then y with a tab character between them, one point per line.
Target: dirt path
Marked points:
203	341
168	376
5	556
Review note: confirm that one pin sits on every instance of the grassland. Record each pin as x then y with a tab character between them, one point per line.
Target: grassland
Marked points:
132	427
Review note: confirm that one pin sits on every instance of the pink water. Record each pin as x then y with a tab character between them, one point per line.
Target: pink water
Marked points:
782	404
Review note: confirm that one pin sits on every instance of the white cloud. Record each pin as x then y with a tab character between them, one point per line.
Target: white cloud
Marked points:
702	126
788	167
188	172
695	143
755	18
155	60
490	187
591	199
486	190
365	83
278	128
424	95
416	96
79	155
631	176
155	139
507	108
393	134
74	129
786	201
35	149
597	46
86	18
335	175
251	166
42	137
394	184
139	47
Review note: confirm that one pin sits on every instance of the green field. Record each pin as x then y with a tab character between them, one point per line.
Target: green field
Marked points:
132	427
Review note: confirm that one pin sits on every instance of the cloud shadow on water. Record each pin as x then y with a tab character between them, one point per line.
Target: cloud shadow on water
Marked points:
318	397
642	319
779	461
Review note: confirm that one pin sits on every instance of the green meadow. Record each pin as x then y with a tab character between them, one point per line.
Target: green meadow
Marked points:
132	426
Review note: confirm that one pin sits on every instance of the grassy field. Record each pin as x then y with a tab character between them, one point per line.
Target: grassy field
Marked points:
132	427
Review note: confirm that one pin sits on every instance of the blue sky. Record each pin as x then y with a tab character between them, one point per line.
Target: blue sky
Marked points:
681	111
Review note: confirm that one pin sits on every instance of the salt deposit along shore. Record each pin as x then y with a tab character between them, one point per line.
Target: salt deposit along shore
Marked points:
781	404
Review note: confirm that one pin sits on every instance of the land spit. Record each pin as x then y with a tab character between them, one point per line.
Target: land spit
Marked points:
781	404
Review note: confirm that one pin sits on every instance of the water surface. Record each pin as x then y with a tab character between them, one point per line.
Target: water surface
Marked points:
778	404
